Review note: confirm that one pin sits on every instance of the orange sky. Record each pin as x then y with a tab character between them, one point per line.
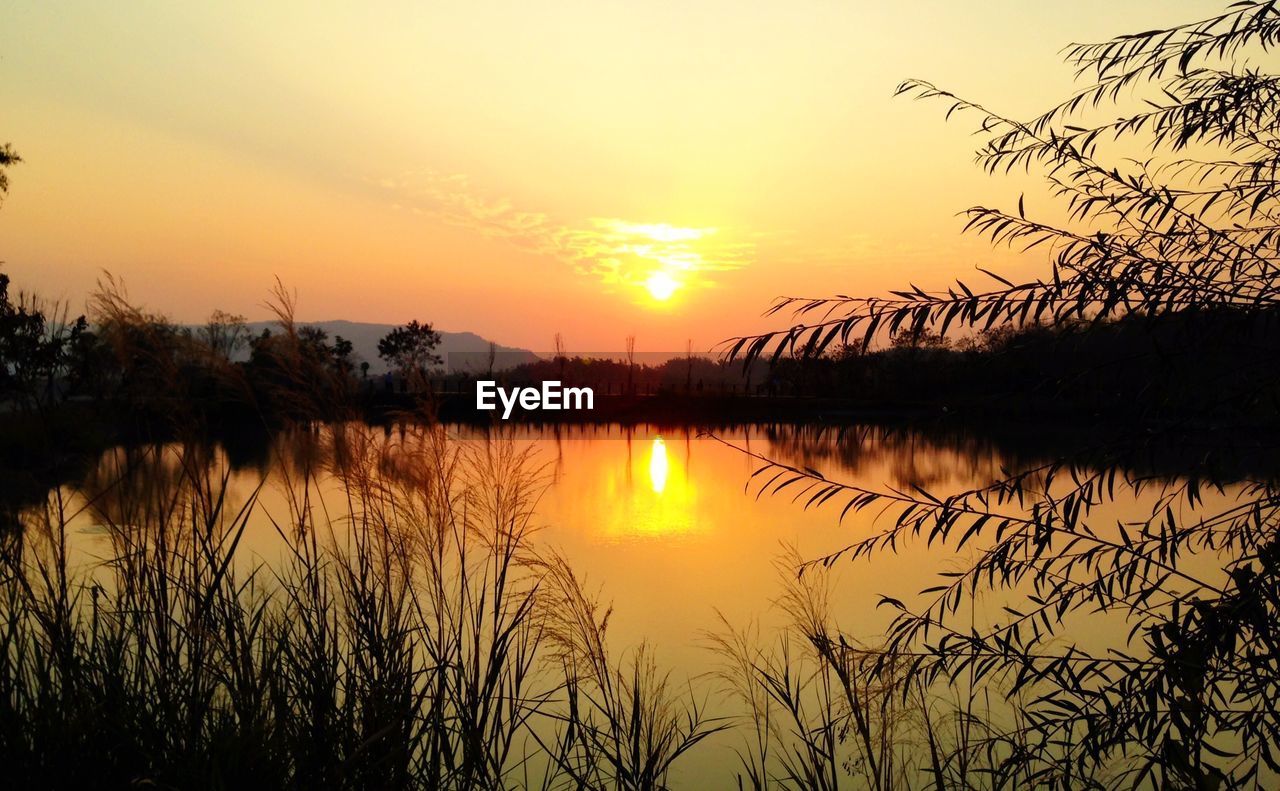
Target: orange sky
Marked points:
516	169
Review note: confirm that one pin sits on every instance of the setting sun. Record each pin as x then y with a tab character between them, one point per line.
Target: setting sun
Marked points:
661	285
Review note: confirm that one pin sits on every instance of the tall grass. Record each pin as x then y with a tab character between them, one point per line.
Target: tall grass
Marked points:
624	725
412	633
819	710
412	636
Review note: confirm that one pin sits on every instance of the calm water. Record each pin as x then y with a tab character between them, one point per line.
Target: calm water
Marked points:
663	524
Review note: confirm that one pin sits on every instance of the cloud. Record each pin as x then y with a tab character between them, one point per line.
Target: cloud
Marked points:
617	252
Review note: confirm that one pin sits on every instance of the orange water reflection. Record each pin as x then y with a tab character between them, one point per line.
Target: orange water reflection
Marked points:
628	509
658	465
658	523
660	520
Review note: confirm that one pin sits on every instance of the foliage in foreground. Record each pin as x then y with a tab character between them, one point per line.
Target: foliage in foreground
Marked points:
1187	696
419	640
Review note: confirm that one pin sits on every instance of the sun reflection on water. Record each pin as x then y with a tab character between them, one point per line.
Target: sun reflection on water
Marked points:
650	496
658	467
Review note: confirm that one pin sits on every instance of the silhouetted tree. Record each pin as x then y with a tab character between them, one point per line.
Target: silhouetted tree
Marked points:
295	371
36	345
560	356
7	157
342	349
1189	230
225	334
409	349
631	363
331	357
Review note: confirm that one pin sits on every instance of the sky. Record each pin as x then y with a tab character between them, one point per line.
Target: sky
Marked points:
600	169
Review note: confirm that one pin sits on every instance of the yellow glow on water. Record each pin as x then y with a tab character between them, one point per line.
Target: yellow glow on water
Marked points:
667	506
658	467
648	492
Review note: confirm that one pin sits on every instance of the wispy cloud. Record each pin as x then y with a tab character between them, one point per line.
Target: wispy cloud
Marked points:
615	251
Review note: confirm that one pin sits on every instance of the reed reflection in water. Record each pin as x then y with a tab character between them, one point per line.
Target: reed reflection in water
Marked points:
661	521
660	525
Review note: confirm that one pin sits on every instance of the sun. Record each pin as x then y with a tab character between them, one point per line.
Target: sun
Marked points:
661	285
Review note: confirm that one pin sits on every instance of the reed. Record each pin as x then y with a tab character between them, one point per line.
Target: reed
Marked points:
412	636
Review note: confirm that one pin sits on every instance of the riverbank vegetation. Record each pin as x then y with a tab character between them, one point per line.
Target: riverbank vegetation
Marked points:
421	641
1154	256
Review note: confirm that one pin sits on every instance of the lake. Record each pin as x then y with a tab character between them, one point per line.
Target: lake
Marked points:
667	527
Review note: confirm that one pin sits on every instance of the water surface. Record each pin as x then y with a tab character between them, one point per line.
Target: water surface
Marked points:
666	525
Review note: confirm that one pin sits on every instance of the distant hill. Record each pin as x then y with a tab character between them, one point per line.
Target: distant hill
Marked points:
460	350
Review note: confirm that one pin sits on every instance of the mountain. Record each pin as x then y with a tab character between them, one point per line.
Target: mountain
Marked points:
463	351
